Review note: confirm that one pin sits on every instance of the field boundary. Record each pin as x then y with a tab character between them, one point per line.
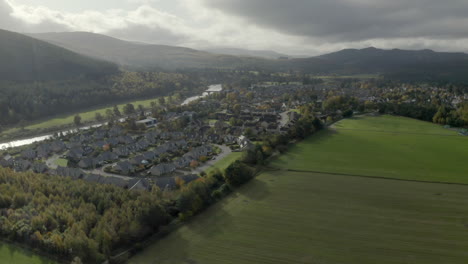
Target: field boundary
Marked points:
370	176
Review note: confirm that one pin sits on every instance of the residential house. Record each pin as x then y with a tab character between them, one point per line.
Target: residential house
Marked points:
70	172
29	154
124	167
21	165
161	169
148	122
39	168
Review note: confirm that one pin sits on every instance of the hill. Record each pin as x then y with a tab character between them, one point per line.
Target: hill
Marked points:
141	56
267	54
23	58
401	64
419	65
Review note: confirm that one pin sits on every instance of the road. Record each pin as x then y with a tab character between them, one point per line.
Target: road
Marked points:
225	150
284	119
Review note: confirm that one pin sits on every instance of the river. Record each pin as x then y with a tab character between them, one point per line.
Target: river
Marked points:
28	141
211	89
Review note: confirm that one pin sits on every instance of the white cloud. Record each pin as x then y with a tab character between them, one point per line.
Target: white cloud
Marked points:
198	24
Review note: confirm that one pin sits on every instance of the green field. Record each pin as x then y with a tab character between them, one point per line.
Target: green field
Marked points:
386	146
10	254
225	162
304	217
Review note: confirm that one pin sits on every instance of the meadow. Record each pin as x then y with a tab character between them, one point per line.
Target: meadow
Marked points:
385	146
285	216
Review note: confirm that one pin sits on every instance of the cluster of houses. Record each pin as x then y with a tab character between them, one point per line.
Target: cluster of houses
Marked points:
137	158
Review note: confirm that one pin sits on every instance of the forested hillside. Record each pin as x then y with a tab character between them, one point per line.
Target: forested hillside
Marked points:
417	65
140	56
23	58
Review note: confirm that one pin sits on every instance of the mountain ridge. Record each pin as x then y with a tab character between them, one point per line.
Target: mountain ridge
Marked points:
23	58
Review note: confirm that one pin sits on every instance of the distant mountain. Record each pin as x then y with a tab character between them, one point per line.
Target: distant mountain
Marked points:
399	64
23	58
267	54
140	56
403	64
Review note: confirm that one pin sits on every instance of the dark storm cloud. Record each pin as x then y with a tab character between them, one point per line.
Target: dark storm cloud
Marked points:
352	20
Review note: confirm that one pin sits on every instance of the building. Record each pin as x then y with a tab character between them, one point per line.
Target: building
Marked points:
148	122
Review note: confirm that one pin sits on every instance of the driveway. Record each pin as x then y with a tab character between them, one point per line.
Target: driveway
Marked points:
225	150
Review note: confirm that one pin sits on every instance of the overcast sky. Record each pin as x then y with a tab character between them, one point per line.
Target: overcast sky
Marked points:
306	27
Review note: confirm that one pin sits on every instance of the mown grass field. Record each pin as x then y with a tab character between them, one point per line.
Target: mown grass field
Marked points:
289	217
385	146
303	217
10	254
225	162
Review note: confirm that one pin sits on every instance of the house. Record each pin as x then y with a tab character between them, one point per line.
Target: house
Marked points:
229	139
88	163
124	167
39	168
243	142
149	155
70	172
213	138
161	169
116	181
99	134
57	146
142	144
6	162
170	182
122	151
43	151
139	184
139	160
75	153
126	140
112	141
182	162
29	154
99	144
108	156
21	165
148	122
115	132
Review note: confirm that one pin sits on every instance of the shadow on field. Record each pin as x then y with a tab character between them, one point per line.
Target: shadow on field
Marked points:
211	222
175	253
256	190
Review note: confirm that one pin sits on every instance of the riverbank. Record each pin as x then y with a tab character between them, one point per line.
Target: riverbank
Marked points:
16	137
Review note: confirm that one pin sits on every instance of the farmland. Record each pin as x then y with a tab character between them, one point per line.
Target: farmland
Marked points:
386	146
305	217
